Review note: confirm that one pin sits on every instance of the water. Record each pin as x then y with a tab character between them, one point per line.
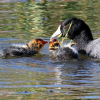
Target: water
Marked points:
41	77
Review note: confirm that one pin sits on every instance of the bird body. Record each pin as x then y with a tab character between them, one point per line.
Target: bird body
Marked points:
93	48
31	48
78	31
63	52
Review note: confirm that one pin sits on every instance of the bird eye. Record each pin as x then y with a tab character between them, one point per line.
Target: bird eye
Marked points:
56	44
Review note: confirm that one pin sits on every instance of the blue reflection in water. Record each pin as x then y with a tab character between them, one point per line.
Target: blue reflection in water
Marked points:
13	0
47	0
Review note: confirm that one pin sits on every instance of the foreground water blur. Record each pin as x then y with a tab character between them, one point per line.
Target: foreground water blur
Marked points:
41	77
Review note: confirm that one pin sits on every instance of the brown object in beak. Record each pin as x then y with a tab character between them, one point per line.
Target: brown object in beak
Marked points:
72	44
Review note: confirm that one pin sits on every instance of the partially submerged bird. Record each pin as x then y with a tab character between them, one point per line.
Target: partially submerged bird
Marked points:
63	52
31	48
78	31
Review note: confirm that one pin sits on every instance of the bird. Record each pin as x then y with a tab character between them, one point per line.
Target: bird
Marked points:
63	52
28	49
77	30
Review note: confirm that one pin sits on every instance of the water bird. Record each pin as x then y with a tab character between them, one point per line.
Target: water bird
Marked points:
30	48
78	31
63	52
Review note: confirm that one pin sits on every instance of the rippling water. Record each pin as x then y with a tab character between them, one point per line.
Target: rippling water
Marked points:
41	77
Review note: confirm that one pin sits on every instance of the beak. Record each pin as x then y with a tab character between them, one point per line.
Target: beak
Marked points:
44	42
57	33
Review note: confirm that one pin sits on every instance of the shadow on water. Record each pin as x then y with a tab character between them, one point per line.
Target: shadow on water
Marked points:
41	76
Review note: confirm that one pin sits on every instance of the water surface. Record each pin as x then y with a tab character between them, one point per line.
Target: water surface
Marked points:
41	77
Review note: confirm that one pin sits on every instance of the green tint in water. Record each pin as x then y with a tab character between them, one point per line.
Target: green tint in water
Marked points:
42	77
36	19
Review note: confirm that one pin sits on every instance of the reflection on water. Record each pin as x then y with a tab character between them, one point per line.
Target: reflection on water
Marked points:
40	19
47	79
41	76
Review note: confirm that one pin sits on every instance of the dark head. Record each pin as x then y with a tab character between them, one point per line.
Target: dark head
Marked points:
73	27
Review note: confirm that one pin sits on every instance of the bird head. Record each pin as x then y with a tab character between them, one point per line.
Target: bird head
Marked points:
53	44
36	44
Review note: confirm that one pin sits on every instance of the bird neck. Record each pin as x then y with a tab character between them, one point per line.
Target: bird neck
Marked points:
82	40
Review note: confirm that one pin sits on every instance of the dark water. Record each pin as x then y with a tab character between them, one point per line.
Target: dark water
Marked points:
41	77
